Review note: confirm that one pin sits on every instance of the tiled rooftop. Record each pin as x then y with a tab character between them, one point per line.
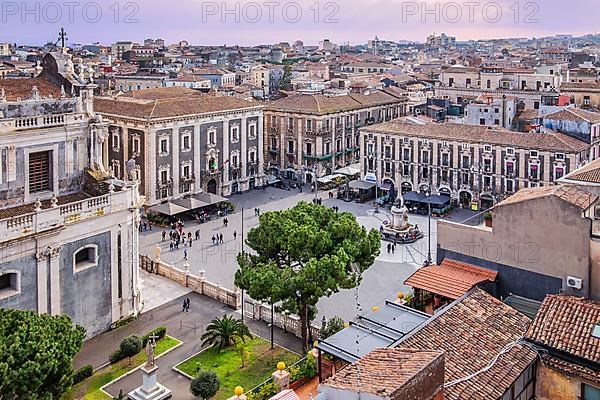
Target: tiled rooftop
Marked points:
472	331
480	134
450	279
20	88
383	371
574	114
569	194
565	323
588	173
169	102
321	104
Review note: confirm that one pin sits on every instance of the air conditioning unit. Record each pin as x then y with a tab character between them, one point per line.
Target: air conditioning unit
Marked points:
574	283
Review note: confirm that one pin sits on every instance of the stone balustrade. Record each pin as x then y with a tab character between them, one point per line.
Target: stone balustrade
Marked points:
67	214
40	121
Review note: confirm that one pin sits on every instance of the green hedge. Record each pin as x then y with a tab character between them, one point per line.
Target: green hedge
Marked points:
82	373
159	332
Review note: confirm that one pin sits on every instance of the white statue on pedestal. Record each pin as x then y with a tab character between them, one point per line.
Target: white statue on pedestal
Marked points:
399	214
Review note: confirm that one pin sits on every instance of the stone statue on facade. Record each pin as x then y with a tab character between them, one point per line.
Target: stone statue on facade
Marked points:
130	168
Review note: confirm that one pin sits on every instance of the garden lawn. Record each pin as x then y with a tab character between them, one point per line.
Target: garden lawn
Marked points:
261	362
89	389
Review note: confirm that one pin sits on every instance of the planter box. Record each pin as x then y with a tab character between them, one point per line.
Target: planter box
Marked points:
488	223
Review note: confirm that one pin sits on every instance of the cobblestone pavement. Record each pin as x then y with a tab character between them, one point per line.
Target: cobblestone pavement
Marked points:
380	282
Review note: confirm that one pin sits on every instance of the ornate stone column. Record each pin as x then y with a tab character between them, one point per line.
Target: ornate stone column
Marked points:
42	280
54	252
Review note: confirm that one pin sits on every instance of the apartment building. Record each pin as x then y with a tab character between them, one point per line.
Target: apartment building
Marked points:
459	83
307	135
181	142
469	163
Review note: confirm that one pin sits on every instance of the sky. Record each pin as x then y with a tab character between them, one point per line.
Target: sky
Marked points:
271	21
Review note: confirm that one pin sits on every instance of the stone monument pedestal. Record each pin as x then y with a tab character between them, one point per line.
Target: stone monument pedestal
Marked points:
150	389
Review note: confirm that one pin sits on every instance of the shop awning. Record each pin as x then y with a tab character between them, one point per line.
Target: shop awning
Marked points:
209	198
436	200
168	209
450	279
414	196
385	186
362	185
190	203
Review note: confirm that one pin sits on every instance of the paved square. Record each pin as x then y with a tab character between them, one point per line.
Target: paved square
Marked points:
380	282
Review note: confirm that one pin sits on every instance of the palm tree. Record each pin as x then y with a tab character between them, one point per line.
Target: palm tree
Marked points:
225	332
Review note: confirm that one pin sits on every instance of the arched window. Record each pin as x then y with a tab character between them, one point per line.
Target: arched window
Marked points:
85	257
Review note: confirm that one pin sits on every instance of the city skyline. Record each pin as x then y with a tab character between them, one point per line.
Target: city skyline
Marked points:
251	23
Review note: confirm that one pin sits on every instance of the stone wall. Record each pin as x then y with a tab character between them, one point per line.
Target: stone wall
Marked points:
232	298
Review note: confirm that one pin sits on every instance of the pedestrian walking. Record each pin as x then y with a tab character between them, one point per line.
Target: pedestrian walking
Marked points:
393	248
234	235
171	246
184	305
187	306
220	237
213	240
190	242
389	247
198	234
150	225
185	254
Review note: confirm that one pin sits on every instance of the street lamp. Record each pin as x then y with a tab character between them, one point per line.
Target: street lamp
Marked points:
428	261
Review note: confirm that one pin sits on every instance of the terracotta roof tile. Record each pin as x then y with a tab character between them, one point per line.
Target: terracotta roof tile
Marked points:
383	371
321	104
451	279
570	194
574	114
20	88
167	103
553	141
472	331
588	173
565	323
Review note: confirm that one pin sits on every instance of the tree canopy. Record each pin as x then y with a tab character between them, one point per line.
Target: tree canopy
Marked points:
303	254
286	79
36	354
225	332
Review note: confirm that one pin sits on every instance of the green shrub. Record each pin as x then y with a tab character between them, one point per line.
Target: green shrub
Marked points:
267	391
130	346
309	366
82	373
295	373
116	356
205	385
333	326
159	332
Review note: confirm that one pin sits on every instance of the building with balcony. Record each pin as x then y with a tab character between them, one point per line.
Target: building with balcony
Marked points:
68	233
316	134
181	142
459	84
469	163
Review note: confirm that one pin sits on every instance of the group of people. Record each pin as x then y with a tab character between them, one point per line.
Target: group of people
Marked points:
186	305
217	239
146	225
257	212
391	248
